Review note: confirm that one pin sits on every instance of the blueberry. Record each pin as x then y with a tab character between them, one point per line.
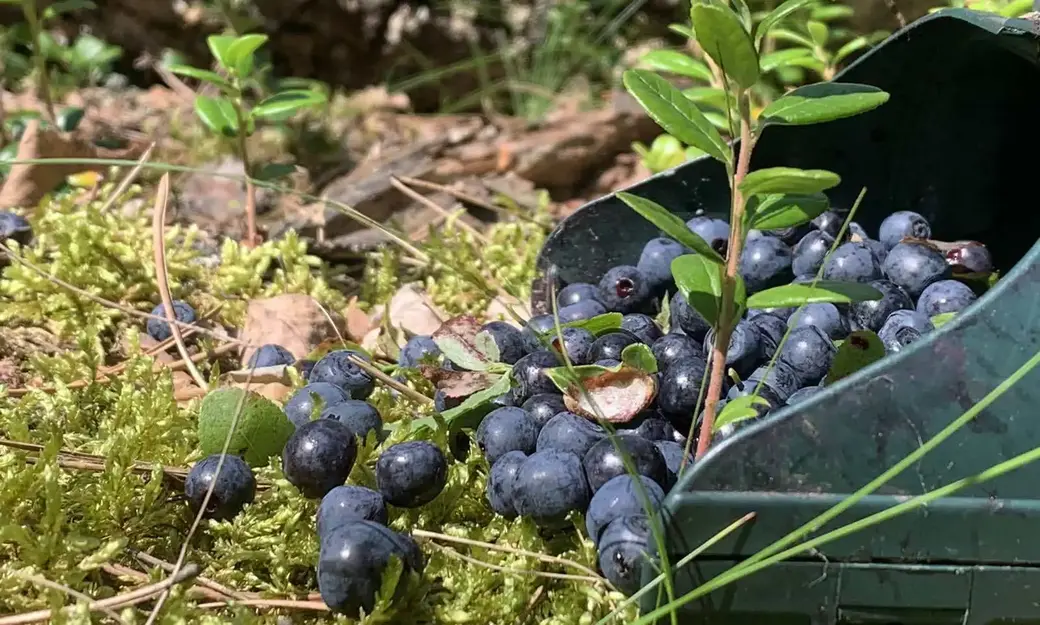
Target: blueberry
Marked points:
459	445
780	378
903	224
529	375
871	314
611	345
749	387
617	498
715	232
810	253
569	432
417	350
772	329
359	416
544	406
609	363
914	266
160	330
829	222
824	316
765	263
673	454
624	289
15	227
655	261
549	485
879	249
501	483
945	296
808	352
679	388
745	347
301	406
336	368
784	313
623	550
319	456
856	230
504	430
642	326
351	564
271	355
577	292
581	311
304	366
672	348
538	331
790	235
902	328
577	344
684	317
234	486
508	339
604	461
803	394
345	504
656	429
969	257
852	262
411	474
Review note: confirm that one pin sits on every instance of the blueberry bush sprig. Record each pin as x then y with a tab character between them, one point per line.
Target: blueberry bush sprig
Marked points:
766	199
231	115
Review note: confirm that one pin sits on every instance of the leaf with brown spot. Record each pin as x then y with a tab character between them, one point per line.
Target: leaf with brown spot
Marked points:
619	395
461	341
457	384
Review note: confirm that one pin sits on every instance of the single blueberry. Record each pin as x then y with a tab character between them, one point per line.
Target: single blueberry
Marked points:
852	262
684	317
604	461
824	316
903	224
871	314
549	485
829	222
569	432
361	417
679	387
945	296
337	368
351	564
673	453
233	487
304	367
160	330
879	249
508	339
765	263
914	266
969	257
15	227
611	344
672	348
745	347
642	326
749	387
609	363
582	311
654	428
810	253
624	547
655	261
715	232
529	375
858	231
902	328
772	329
504	430
271	355
803	394
792	234
577	292
808	352
624	289
617	498
538	332
411	474
784	313
577	344
319	456
544	406
502	481
780	378
345	504
417	350
313	398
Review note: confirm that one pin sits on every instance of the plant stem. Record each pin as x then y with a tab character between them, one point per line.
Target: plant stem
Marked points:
43	86
736	239
243	153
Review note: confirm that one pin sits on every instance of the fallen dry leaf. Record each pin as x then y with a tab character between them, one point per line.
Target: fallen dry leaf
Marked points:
295	321
498	309
458	384
411	310
620	395
358	321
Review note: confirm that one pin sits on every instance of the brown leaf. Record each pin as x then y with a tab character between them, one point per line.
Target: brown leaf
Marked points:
295	321
457	339
27	183
358	321
619	396
410	310
456	384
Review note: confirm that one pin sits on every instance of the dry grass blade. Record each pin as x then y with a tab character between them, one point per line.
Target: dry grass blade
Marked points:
460	196
46	583
119	571
213	586
285	604
128	180
437	208
493	547
520	572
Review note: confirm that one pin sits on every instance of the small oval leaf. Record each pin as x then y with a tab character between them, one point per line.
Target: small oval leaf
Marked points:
670	224
723	37
788	180
200	74
677	63
787	210
791	295
700	282
219	45
600	324
281	105
740	409
776	16
823	102
639	356
218	114
240	52
861	349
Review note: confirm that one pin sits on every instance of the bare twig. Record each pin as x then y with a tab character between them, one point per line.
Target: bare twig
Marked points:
461	196
213	586
434	206
118	570
289	604
128	180
46	583
493	547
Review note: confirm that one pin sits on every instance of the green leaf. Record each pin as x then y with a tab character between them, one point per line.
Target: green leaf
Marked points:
201	74
790	36
273	171
724	38
860	349
681	29
707	95
219	45
240	53
677	63
739	299
487	346
783	58
670	224
674	112
823	102
218	114
851	47
831	12
565	378
776	16
68	119
745	14
458	339
65	6
788	180
700	282
469	413
740	409
832	291
281	105
942	319
600	324
819	32
639	356
787	210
